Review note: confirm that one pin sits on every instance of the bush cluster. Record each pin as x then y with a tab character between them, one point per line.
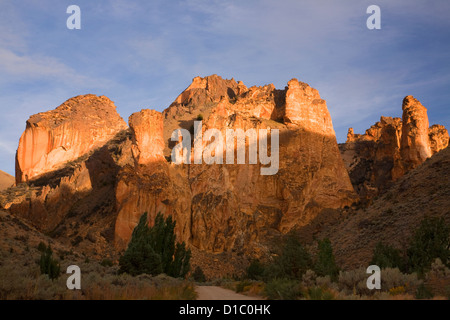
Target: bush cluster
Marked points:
153	250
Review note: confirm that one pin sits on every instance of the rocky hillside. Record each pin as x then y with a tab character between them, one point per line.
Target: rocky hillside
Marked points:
6	180
391	148
422	192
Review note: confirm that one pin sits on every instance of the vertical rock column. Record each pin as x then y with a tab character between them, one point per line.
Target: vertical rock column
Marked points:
415	143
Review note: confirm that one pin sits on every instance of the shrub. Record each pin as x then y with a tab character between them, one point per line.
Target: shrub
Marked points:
318	293
386	256
309	279
293	262
198	275
240	286
397	291
430	241
106	263
199	117
326	264
41	247
394	278
255	270
153	250
48	265
438	270
283	289
354	282
423	292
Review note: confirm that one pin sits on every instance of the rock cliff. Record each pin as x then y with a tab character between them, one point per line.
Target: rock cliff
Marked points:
222	207
53	138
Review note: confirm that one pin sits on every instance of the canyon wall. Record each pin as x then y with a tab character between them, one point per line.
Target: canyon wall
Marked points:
91	177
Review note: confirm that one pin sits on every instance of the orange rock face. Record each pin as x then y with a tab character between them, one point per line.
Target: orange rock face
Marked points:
217	207
305	108
391	147
415	144
53	138
221	207
148	141
439	138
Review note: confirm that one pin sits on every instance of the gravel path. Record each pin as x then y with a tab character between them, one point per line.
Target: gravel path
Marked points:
218	293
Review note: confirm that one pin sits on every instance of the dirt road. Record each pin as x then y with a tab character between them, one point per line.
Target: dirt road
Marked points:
218	293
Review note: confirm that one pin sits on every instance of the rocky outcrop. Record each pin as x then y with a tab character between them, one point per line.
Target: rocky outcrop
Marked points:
116	175
415	143
439	138
76	203
147	132
306	109
395	215
151	185
390	148
222	207
53	138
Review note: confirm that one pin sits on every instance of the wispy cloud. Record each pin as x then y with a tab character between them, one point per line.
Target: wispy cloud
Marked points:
31	67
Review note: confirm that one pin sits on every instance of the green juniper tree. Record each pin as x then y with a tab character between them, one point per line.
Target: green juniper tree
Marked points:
292	262
326	264
430	241
153	250
386	256
48	265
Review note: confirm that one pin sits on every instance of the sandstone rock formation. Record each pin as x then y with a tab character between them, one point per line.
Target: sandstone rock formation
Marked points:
116	175
53	138
439	138
390	148
224	207
305	108
148	141
415	143
6	180
76	203
150	185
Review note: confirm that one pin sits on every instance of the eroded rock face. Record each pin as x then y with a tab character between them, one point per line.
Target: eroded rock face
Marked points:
148	141
217	207
53	138
439	138
153	188
415	144
223	207
306	109
391	148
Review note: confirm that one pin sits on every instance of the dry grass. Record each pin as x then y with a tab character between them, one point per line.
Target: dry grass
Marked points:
20	279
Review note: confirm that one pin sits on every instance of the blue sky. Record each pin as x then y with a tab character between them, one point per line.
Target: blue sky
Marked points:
142	54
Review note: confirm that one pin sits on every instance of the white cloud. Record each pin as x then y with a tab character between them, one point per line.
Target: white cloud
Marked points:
31	66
